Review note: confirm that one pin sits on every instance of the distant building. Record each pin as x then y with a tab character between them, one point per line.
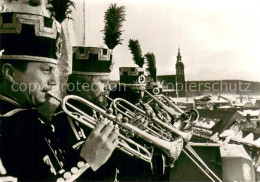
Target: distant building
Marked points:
183	103
174	85
202	102
212	102
247	105
257	104
252	114
213	121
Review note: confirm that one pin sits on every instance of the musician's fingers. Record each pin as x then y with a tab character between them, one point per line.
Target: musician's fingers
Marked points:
148	113
145	124
146	105
132	120
100	125
115	143
107	129
140	122
119	117
113	135
135	120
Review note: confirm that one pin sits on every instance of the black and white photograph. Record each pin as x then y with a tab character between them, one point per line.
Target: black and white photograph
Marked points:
129	90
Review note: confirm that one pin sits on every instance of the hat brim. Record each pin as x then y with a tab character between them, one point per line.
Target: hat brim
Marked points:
91	73
28	58
135	86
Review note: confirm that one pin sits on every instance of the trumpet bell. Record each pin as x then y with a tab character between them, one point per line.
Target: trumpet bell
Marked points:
176	148
188	119
190	114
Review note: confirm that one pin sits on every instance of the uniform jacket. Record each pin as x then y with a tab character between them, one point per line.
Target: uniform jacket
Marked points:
28	146
71	135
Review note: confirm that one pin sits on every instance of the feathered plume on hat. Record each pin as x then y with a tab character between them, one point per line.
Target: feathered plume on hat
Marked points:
98	60
134	76
60	9
114	18
151	65
136	51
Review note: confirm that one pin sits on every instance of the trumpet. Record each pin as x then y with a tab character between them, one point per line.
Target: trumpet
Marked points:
186	118
154	130
125	105
122	106
125	143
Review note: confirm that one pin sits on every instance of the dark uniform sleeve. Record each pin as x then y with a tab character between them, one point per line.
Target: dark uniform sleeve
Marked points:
23	147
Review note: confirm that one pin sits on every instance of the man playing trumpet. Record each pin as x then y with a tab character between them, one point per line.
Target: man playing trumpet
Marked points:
30	149
131	88
89	80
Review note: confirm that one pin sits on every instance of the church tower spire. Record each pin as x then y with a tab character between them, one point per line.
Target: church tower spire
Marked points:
179	56
179	66
179	77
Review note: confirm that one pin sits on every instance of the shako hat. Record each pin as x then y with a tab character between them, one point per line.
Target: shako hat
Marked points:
132	77
27	33
91	61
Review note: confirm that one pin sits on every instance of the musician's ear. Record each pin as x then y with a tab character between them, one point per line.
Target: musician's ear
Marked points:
8	72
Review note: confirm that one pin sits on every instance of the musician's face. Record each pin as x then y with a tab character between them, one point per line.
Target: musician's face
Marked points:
31	86
99	88
140	91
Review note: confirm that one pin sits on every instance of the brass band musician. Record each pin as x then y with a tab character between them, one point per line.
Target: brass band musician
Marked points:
30	150
131	88
89	80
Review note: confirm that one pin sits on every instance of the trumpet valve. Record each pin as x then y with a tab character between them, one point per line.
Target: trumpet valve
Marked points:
125	120
109	111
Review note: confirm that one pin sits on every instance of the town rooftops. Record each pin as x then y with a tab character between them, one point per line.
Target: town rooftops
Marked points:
217	120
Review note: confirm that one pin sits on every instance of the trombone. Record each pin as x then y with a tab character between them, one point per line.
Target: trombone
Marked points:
186	118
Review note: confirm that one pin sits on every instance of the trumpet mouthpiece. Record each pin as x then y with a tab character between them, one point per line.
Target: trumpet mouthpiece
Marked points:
49	94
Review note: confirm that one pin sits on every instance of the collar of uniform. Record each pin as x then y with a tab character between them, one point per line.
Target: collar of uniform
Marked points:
10	100
14	102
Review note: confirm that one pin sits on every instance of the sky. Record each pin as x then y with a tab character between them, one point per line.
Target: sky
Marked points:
218	39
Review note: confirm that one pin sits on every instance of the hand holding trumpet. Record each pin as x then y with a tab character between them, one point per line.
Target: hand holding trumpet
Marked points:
100	143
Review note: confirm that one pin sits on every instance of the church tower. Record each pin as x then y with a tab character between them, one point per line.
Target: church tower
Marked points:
179	65
180	77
